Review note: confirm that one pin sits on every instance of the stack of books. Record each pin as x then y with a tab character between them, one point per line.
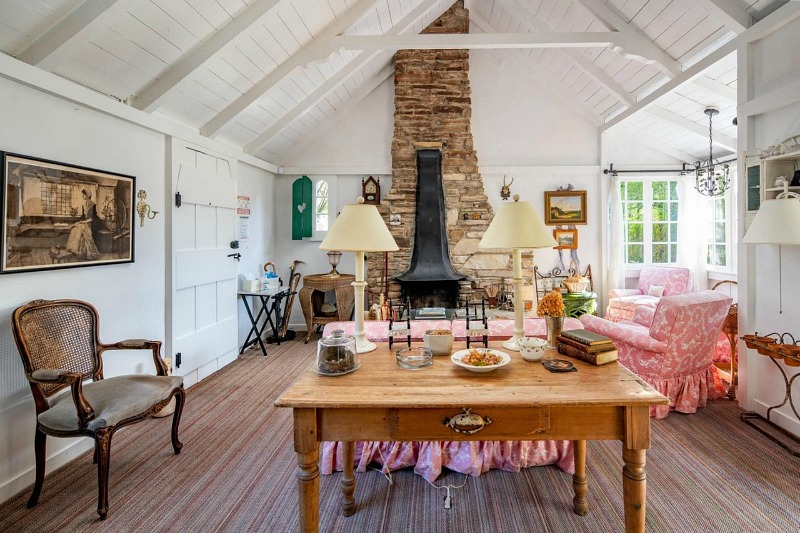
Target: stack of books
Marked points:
587	346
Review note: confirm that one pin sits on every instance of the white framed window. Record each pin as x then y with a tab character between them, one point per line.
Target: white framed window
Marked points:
324	204
650	210
721	255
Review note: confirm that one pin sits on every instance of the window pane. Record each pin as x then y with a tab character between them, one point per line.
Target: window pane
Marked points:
322	222
659	233
673	233
710	255
721	255
635	253
635	190
659	212
673	190
673	211
635	232
719	232
673	253
635	213
660	253
659	190
719	212
322	188
322	205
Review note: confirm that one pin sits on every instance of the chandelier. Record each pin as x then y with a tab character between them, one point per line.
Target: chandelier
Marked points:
711	180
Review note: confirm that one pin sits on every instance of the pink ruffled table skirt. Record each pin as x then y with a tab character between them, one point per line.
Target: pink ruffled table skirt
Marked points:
466	457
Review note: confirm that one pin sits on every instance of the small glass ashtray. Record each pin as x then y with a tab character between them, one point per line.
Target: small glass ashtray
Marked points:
414	358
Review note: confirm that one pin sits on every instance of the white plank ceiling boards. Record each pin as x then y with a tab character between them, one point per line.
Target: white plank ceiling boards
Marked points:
264	75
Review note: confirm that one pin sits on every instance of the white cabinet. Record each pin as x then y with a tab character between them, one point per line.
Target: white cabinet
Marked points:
761	174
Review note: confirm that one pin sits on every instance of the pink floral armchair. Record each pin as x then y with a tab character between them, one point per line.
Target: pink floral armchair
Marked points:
654	282
672	347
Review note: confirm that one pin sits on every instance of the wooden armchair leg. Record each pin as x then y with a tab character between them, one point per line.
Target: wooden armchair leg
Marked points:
180	396
40	446
103	441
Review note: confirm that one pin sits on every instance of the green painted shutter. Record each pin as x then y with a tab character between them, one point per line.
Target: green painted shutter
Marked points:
302	208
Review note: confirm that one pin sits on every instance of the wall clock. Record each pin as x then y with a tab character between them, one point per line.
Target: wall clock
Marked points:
371	190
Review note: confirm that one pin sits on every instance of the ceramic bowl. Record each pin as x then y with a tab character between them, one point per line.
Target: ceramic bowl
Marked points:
458	359
532	348
439	341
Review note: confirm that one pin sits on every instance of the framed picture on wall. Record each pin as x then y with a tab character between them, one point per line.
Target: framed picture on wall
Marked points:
567	239
564	207
57	215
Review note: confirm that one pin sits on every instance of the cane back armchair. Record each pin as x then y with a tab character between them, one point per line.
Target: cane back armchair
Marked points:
59	345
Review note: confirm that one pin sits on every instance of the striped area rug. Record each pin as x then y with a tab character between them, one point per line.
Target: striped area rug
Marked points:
705	472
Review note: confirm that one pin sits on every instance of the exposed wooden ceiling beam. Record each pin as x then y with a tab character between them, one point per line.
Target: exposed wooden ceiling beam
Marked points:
49	49
307	53
769	24
544	76
723	141
636	39
526	17
154	94
714	88
356	63
733	16
476	41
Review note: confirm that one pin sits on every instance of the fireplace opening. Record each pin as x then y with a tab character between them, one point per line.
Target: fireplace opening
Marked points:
431	294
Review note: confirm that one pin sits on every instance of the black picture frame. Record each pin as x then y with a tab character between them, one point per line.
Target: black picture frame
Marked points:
57	215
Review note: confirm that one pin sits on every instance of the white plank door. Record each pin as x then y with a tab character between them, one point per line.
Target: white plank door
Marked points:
203	303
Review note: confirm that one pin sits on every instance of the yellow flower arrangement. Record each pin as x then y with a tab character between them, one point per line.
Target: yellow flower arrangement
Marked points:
551	304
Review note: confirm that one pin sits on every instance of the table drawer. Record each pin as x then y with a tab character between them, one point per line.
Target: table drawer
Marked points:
481	423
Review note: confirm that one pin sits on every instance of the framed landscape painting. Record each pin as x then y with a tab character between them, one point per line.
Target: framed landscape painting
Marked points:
564	207
57	215
567	239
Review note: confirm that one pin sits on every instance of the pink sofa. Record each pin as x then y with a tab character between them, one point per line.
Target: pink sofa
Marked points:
466	457
623	302
671	347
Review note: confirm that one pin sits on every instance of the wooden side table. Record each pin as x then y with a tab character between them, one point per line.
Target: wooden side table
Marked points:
312	296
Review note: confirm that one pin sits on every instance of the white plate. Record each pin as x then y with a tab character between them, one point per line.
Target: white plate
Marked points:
456	359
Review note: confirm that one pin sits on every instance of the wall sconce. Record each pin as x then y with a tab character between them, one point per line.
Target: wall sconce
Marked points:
143	208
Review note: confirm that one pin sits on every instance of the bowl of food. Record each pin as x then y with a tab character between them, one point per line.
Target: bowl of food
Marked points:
439	341
532	348
480	359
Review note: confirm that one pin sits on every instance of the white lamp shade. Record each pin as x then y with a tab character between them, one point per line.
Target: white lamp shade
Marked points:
777	222
359	228
517	225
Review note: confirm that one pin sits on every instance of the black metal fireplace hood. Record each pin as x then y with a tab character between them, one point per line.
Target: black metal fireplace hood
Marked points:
430	258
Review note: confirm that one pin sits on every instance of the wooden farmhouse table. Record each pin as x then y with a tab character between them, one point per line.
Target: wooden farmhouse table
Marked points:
521	401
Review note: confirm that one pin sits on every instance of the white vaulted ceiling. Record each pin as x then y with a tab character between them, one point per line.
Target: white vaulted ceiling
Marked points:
263	74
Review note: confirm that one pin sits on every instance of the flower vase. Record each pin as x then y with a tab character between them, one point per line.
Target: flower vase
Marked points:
554	326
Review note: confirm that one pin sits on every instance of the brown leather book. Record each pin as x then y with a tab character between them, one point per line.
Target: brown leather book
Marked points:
589	348
597	358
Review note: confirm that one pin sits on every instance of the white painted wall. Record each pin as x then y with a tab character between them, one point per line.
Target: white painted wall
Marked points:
775	280
129	297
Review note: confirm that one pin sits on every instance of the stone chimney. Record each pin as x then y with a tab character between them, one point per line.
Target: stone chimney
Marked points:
433	111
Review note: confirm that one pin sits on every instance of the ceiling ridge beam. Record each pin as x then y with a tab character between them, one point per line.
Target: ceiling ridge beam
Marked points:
546	77
307	53
156	91
458	41
730	14
333	119
589	67
769	24
665	115
332	83
49	49
634	38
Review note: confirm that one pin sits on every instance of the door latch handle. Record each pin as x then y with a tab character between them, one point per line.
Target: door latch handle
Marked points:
236	256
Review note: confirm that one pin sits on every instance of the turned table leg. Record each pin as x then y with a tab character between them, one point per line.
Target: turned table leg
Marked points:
580	504
307	449
348	479
634	489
